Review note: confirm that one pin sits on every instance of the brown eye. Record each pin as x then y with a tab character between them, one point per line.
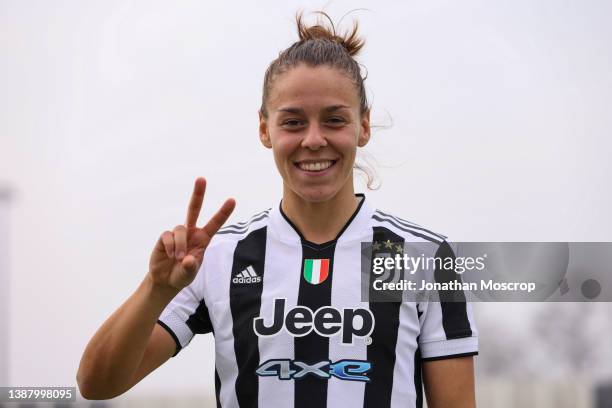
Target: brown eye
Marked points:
336	120
292	123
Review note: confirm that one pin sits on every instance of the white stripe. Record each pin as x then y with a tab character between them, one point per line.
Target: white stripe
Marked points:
409	330
403	393
449	347
251	271
346	292
277	283
316	271
225	357
177	324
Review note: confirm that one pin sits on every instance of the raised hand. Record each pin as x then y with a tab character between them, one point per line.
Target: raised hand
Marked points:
178	254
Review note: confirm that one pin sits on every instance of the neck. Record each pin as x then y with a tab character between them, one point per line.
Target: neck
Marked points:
320	222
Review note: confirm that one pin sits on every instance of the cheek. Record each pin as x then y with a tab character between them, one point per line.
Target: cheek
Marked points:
282	148
348	146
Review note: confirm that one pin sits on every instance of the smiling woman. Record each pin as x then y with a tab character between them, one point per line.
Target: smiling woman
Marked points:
282	292
314	127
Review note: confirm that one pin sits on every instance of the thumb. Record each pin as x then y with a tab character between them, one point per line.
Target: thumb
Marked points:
189	264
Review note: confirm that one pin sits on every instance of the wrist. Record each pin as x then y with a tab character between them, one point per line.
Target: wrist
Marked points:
157	292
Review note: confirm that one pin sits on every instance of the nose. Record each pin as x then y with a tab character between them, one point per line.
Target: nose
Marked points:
314	138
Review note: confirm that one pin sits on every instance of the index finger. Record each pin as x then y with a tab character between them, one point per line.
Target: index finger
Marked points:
220	217
195	204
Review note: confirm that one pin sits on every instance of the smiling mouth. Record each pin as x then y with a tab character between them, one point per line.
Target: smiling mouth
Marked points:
315	166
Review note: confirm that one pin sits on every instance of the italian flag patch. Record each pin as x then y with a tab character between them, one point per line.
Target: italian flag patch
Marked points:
316	270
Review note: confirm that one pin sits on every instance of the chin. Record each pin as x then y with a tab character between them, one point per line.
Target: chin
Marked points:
316	194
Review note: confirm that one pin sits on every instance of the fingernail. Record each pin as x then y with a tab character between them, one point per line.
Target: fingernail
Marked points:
180	255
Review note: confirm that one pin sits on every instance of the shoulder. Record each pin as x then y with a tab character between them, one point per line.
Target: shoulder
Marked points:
406	229
219	257
230	234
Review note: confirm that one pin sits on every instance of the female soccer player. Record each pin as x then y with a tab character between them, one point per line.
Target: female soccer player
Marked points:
282	292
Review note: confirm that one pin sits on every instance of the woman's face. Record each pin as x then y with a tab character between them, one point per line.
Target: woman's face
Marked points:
313	127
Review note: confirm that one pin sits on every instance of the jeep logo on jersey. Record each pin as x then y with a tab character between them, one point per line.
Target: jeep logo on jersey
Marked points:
248	275
325	321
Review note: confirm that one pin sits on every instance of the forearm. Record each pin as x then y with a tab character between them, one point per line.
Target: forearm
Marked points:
450	383
114	353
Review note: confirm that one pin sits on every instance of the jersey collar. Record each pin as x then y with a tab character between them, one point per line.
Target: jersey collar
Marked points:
356	228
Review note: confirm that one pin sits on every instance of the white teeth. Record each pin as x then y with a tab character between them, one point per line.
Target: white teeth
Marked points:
315	166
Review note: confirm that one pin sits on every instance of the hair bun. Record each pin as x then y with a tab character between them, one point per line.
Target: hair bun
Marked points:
349	40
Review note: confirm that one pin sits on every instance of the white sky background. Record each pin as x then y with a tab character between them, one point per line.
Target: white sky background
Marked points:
501	110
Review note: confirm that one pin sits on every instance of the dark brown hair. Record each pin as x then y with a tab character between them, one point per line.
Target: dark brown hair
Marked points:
319	44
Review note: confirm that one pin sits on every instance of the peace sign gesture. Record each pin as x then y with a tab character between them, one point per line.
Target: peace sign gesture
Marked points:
178	254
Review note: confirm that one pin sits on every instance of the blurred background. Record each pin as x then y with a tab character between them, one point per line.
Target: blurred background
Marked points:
494	122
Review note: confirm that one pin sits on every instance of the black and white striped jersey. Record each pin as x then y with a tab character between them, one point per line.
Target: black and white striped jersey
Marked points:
290	326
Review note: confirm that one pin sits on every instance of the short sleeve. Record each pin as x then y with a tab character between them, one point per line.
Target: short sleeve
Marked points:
187	315
447	328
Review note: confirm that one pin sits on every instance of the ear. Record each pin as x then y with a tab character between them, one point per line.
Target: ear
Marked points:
264	135
364	134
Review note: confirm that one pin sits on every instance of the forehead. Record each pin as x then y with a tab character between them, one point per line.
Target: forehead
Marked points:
306	86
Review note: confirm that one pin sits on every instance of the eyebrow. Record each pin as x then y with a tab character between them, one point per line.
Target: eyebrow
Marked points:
328	109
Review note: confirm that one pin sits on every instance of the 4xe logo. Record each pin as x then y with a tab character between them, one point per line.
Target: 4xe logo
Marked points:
350	370
325	321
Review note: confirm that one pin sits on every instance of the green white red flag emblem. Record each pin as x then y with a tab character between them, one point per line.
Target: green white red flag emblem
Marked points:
316	270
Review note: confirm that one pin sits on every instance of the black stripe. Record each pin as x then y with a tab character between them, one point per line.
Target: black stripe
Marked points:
454	310
418	367
176	340
381	351
311	391
473	353
245	305
418	377
411	225
248	221
199	322
399	227
230	229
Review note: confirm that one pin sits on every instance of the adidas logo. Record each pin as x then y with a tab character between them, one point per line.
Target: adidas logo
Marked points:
248	275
